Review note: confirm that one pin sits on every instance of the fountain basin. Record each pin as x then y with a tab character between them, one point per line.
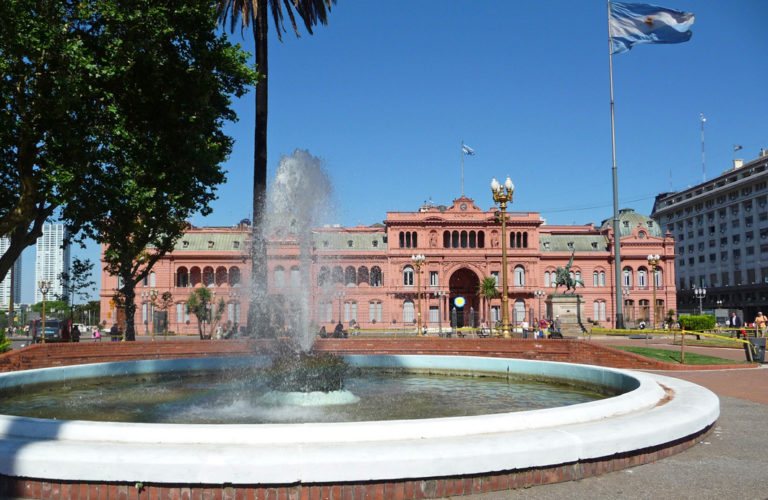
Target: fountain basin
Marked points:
357	451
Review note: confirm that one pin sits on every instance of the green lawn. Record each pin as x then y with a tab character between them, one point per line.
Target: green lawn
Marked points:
674	356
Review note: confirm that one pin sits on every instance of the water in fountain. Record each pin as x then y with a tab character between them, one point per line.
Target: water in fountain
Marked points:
299	199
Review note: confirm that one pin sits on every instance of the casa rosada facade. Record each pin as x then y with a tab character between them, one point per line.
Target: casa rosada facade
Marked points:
366	274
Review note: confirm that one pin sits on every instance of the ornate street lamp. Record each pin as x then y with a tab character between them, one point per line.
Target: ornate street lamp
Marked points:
539	294
700	292
153	300
625	293
653	261
503	195
418	261
45	287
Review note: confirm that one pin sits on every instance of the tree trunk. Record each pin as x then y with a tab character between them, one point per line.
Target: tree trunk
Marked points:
258	321
129	294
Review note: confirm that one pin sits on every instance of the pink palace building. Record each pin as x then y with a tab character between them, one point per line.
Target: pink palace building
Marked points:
365	274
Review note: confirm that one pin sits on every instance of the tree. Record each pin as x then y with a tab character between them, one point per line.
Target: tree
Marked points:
169	82
201	304
487	290
53	308
76	281
254	13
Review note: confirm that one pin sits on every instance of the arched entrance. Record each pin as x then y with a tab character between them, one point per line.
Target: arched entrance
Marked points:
464	283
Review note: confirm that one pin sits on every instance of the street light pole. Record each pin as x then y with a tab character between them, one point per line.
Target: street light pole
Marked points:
700	292
539	294
653	262
625	294
503	195
45	287
418	261
440	294
340	295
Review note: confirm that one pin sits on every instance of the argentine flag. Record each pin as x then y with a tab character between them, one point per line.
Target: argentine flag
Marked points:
467	150
633	23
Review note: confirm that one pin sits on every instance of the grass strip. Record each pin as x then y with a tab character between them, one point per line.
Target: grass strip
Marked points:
673	356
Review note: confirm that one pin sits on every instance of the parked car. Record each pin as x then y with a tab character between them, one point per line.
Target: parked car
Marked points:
52	330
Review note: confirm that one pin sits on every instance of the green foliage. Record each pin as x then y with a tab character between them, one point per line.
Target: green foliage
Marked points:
673	356
200	303
5	342
53	308
76	281
697	322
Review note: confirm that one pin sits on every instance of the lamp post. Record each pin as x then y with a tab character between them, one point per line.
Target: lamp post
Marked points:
439	294
153	300
625	295
340	294
653	262
700	292
539	294
418	261
503	195
145	302
45	287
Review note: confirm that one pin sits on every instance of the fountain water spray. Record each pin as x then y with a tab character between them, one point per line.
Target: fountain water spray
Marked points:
298	199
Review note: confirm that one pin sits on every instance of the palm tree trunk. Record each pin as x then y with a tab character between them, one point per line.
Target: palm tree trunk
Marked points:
258	322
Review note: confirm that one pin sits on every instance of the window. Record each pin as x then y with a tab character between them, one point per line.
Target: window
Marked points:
350	243
546	279
602	278
434	314
295	276
641	278
375	276
350	311
350	276
433	278
519	276
182	277
626	277
495	276
408	311
374	311
595	279
279	277
408	276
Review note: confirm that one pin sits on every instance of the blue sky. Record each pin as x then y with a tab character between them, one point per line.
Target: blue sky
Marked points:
388	90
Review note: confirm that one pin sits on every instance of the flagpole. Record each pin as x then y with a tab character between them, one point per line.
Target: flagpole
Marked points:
461	151
616	229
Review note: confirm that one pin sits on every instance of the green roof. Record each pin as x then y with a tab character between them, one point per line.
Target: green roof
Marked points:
581	242
343	241
214	242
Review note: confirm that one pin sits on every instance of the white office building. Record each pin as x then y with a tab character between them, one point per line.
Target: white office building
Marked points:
721	235
51	260
5	285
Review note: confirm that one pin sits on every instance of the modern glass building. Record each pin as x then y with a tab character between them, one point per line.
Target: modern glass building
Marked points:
5	285
51	259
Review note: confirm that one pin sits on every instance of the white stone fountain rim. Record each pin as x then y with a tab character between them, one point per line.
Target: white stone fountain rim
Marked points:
356	451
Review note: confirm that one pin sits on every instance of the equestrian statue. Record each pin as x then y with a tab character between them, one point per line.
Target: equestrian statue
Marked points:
564	277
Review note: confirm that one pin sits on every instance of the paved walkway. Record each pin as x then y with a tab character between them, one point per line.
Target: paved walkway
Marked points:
729	462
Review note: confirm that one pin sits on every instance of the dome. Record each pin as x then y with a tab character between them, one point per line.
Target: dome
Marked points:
629	220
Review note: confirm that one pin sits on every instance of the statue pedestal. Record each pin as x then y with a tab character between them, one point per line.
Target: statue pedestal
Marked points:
569	308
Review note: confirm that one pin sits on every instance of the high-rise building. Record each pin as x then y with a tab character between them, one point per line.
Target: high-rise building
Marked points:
51	260
721	234
5	285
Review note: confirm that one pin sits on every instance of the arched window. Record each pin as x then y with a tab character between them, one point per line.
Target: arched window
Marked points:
195	276
279	277
234	276
472	239
578	277
295	276
221	276
455	239
626	277
481	239
182	277
362	275
408	276
602	310
152	279
602	278
642	280
511	240
408	311
519	276
596	310
525	240
415	239
446	239
375	276
324	276
337	275
463	239
595	281
350	276
657	278
208	276
519	237
408	240
519	310
402	239
546	279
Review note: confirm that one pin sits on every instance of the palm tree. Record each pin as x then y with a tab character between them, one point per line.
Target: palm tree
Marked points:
488	291
254	13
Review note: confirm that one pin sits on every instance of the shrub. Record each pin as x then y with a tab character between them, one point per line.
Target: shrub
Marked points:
697	322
